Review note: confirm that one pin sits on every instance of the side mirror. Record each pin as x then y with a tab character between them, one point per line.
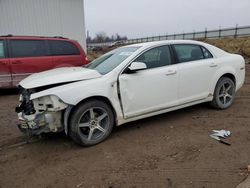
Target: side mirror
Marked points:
136	66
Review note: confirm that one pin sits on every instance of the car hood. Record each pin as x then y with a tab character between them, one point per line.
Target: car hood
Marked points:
59	76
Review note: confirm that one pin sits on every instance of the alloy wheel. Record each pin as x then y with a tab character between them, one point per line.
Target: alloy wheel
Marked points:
226	93
93	123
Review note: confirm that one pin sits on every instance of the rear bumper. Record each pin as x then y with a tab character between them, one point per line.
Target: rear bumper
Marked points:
241	78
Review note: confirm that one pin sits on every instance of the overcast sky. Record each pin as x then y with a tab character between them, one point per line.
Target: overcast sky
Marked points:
142	18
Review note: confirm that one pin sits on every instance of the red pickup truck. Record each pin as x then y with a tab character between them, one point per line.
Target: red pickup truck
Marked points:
21	56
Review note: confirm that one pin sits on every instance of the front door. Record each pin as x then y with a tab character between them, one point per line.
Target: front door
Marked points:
5	74
152	89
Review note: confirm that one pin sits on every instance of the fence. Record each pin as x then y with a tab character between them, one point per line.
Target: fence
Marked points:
212	34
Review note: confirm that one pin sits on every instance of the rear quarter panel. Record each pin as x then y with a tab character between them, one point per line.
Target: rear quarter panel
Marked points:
232	64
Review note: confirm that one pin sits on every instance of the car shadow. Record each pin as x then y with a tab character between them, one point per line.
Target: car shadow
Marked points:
165	117
61	140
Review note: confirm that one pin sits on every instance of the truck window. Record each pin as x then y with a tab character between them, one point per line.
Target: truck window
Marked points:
1	49
27	48
63	48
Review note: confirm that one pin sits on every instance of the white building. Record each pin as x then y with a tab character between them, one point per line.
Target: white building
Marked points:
44	18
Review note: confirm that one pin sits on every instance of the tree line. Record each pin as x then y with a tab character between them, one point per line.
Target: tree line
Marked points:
103	37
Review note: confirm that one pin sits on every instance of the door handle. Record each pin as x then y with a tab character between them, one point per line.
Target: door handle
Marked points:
17	62
171	72
213	65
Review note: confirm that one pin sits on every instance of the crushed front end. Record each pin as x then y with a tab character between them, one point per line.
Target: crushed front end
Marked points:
40	115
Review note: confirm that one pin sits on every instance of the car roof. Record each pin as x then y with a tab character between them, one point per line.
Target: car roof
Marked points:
213	49
166	42
33	37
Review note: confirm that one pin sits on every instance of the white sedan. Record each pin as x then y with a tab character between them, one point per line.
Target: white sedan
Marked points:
127	84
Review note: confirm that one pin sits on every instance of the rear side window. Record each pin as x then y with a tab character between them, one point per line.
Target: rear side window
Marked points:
2	49
206	53
63	48
27	48
188	52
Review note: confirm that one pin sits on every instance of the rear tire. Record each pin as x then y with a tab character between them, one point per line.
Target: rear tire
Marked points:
224	93
91	123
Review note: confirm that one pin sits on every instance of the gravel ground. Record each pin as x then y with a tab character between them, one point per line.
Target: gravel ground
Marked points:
170	150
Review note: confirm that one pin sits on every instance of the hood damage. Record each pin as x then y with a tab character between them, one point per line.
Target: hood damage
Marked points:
57	77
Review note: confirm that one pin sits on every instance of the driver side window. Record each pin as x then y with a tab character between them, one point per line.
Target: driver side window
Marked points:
156	57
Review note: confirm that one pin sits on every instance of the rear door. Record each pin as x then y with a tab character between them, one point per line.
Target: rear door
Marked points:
27	57
196	68
5	74
65	53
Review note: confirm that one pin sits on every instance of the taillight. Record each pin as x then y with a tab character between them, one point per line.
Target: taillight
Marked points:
87	60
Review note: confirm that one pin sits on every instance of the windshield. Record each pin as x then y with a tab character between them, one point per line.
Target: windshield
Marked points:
111	60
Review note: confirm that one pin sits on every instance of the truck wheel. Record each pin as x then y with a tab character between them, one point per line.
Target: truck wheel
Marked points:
91	123
224	93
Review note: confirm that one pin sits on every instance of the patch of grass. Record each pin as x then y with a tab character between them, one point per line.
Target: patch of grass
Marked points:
95	54
238	46
232	45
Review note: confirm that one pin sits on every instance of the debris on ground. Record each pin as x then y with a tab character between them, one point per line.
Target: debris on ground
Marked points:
217	135
221	133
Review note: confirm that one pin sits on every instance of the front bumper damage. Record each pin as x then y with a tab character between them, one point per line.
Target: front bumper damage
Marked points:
41	115
40	123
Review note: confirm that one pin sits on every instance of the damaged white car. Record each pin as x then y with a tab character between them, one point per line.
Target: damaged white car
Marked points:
127	84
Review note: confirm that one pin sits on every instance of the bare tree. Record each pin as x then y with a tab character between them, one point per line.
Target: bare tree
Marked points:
101	37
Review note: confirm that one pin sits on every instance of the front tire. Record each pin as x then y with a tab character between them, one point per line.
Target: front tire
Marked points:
224	93
91	123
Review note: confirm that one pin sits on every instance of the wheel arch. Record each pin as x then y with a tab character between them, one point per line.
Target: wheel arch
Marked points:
229	73
98	98
68	112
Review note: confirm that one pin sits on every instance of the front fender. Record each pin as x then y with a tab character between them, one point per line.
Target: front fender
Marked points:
73	93
66	118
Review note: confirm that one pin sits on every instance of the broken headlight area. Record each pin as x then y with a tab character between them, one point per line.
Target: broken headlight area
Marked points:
40	115
26	105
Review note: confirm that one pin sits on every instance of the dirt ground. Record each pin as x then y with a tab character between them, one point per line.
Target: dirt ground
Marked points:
170	150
